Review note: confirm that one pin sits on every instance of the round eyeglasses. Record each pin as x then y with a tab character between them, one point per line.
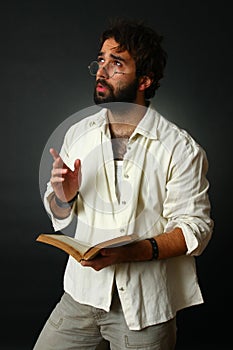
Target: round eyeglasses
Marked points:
110	69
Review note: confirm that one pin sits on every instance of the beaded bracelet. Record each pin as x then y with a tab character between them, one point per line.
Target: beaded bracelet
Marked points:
155	250
65	205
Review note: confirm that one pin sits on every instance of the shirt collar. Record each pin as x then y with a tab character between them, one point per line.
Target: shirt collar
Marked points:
147	126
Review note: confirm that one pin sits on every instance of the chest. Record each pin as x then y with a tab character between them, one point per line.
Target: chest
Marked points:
119	147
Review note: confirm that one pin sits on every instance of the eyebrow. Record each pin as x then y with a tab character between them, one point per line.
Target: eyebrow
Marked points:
115	57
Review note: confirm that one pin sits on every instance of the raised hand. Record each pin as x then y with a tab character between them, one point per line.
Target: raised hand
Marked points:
64	181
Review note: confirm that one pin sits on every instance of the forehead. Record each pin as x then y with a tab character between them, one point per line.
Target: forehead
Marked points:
110	46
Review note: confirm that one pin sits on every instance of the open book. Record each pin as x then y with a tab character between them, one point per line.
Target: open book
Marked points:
80	250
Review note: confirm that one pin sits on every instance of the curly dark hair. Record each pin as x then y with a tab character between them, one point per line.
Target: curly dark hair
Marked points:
144	45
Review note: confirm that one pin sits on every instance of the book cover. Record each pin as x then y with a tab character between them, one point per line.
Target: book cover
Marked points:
82	250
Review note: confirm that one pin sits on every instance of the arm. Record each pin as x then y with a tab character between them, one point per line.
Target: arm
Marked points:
65	184
170	244
58	211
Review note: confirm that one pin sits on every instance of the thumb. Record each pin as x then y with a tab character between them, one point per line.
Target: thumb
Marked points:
108	251
77	164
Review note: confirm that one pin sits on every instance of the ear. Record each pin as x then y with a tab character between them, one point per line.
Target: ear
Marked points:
144	82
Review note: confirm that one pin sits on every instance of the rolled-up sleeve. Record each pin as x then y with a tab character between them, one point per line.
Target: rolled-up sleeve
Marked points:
58	224
187	202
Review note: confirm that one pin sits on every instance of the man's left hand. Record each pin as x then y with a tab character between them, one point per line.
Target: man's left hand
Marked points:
140	251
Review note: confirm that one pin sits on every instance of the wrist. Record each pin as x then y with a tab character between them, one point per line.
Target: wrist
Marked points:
139	251
65	205
155	250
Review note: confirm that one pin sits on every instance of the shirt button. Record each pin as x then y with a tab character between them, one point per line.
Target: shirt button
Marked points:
92	123
123	202
121	289
126	176
122	230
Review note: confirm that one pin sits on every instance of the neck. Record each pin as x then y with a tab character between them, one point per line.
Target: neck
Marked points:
124	118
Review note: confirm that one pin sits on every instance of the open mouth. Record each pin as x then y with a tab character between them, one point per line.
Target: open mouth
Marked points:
101	88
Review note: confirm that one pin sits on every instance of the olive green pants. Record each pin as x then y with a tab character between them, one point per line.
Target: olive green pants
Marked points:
73	326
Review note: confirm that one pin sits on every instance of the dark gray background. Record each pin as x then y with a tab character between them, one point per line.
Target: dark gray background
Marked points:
45	49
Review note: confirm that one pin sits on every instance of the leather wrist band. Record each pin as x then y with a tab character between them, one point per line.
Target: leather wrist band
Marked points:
155	250
65	205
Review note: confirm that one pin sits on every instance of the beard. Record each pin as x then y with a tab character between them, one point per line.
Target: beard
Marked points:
127	93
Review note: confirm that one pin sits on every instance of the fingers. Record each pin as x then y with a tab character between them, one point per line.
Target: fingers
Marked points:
54	153
58	162
64	181
57	174
107	257
97	264
58	170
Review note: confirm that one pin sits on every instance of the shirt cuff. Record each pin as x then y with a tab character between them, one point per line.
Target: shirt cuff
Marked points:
189	236
58	224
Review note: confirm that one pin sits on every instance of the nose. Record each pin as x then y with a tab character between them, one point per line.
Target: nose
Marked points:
102	72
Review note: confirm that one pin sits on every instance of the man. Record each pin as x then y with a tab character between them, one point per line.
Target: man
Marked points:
125	170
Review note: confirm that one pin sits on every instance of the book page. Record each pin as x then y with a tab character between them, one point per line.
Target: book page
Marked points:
78	245
111	243
117	241
79	249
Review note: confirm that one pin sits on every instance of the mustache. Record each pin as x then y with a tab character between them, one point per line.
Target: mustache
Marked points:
103	83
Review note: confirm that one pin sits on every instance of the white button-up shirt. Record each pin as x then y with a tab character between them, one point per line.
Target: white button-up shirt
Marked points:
163	186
